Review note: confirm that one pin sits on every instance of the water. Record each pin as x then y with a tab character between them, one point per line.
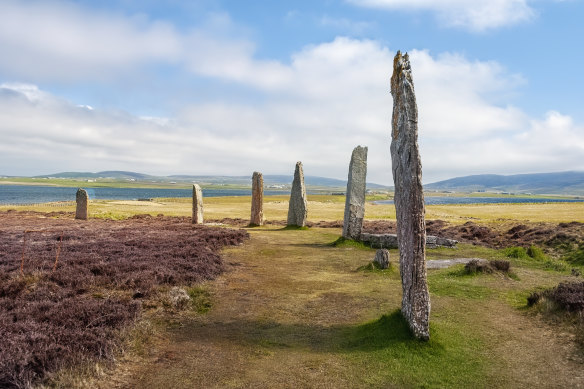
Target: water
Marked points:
440	200
22	194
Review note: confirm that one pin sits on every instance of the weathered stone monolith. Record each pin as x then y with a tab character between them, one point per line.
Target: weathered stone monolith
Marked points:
82	199
409	198
355	198
197	204
298	210
257	200
382	258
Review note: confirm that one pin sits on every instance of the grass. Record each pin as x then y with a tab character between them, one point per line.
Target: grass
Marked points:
325	207
292	298
534	256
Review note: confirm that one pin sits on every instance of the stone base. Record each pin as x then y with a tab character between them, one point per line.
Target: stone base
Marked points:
389	241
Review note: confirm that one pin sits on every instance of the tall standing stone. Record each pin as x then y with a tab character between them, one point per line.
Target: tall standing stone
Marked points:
355	199
197	204
257	199
409	198
82	199
298	209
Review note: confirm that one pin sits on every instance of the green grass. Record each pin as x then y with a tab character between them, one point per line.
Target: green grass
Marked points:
200	299
374	267
535	257
576	256
387	348
457	283
343	242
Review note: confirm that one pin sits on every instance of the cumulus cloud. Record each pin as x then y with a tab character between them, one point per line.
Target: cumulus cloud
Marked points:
476	15
335	96
315	107
62	41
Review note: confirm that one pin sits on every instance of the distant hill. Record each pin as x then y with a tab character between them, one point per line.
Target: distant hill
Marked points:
105	174
269	180
567	183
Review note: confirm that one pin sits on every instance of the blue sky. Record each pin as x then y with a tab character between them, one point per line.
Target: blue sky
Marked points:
229	87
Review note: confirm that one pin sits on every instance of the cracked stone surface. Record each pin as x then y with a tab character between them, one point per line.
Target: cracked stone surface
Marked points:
355	198
409	198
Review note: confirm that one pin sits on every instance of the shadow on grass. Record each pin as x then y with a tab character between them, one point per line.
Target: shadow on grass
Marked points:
389	331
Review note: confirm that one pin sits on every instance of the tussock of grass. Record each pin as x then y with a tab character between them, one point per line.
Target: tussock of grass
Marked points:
295	228
374	267
533	255
576	256
200	299
343	242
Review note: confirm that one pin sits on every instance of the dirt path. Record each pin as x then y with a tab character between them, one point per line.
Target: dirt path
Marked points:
282	311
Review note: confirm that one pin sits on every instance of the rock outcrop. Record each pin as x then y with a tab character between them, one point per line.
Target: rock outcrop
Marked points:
382	258
257	200
409	198
355	198
298	207
197	204
82	200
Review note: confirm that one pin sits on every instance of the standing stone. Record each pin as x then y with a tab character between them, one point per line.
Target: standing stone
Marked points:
409	198
297	210
355	198
257	199
382	258
82	199
197	204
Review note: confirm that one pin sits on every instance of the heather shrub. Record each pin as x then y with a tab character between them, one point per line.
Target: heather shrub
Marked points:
52	319
568	296
483	266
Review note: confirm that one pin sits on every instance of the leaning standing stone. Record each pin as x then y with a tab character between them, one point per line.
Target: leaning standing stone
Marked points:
197	204
355	199
382	258
409	198
82	199
297	210
257	199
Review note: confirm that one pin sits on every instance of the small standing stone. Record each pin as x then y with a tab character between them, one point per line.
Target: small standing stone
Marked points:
355	198
382	258
197	204
257	199
409	199
82	199
297	209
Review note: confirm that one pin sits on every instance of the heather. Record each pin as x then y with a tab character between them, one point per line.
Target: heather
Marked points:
52	316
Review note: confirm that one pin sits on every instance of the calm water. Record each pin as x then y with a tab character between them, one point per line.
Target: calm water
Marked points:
439	200
21	194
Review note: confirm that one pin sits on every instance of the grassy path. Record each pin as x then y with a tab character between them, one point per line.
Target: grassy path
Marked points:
294	312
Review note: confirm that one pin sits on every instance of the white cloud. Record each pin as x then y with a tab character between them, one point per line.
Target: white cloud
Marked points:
344	24
62	41
335	96
315	107
476	15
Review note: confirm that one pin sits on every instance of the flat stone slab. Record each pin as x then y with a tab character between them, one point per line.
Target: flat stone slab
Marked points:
444	263
389	241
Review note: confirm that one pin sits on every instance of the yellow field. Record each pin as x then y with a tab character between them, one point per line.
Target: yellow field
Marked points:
323	207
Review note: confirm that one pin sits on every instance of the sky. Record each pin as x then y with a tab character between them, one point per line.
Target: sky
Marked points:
231	87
